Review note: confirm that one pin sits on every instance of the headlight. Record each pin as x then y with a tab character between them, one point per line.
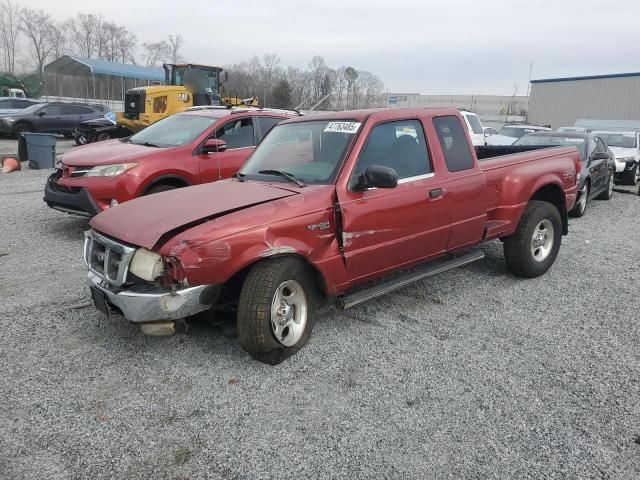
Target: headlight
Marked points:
146	264
59	161
626	159
110	170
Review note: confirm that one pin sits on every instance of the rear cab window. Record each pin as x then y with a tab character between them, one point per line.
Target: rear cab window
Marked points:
454	144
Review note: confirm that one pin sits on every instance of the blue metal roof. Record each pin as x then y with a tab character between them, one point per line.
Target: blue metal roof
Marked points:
592	77
75	65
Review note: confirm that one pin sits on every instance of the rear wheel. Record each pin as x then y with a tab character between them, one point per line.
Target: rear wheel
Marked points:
607	194
534	246
581	205
276	310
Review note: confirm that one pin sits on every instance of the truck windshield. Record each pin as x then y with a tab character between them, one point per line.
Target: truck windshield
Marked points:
623	140
173	131
312	152
552	140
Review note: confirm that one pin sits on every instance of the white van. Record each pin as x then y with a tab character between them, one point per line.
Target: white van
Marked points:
475	127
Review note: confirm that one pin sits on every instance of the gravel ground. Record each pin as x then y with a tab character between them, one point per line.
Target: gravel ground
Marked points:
472	374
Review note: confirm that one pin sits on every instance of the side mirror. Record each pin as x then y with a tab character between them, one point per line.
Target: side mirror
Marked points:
377	176
488	133
42	114
214	145
600	156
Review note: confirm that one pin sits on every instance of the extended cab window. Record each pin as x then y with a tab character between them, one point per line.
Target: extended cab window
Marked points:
399	145
453	141
237	133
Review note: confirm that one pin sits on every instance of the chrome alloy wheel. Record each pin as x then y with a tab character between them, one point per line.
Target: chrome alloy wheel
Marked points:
611	184
542	240
289	313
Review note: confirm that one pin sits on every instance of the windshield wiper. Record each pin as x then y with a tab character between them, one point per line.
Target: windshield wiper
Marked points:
145	144
282	174
240	176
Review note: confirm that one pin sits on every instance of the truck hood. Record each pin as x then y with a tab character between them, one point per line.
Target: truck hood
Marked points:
106	153
623	152
145	220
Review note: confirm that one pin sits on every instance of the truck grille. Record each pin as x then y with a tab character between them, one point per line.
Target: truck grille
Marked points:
107	259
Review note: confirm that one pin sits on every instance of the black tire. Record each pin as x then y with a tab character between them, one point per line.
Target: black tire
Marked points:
518	248
22	127
630	177
160	188
101	137
608	193
255	331
580	208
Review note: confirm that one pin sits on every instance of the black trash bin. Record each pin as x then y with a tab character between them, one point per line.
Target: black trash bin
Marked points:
40	150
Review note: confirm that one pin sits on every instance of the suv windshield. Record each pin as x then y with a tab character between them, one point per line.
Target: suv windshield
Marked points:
173	131
624	140
312	152
31	109
552	140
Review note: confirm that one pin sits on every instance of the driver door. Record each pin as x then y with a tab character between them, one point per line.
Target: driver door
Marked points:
389	228
239	135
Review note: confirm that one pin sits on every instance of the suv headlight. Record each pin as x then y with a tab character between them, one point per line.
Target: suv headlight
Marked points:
626	159
146	264
110	170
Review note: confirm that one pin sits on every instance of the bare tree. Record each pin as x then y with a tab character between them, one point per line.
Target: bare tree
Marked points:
37	27
83	32
127	44
10	30
155	53
269	71
175	44
58	41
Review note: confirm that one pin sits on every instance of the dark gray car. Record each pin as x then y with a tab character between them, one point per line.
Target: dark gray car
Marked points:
598	164
47	118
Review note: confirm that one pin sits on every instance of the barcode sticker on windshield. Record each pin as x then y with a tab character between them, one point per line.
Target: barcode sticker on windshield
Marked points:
342	127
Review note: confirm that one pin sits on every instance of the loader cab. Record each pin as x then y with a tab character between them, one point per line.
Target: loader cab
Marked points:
203	82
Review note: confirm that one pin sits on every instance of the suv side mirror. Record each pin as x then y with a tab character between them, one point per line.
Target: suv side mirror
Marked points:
214	145
42	114
377	176
600	156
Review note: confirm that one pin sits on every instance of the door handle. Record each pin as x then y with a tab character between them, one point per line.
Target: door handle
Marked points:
436	193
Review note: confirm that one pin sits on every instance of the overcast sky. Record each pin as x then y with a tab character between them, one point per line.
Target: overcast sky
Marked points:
444	47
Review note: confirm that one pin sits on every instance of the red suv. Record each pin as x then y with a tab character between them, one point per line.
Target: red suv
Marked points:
196	146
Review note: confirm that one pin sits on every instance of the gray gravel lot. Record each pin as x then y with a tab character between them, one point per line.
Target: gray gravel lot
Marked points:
472	374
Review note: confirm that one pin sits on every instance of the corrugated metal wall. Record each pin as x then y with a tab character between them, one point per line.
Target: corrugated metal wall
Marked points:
561	103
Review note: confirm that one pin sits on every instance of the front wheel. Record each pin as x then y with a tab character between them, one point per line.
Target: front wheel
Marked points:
534	246
276	310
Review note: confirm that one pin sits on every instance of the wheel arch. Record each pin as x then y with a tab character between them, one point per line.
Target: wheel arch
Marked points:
231	288
177	181
552	193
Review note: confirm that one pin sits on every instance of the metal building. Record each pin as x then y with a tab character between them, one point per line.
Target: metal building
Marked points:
562	101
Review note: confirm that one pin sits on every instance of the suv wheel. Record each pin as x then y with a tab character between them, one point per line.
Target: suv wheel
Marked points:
22	128
581	205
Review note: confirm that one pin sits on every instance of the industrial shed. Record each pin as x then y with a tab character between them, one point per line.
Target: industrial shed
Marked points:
561	101
74	78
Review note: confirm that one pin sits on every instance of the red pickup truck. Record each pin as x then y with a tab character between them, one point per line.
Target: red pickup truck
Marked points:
347	205
198	146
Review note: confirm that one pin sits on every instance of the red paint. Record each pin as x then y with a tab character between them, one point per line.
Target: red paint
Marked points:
185	162
375	232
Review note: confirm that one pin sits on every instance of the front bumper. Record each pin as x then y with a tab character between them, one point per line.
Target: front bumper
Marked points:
77	201
624	165
146	303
